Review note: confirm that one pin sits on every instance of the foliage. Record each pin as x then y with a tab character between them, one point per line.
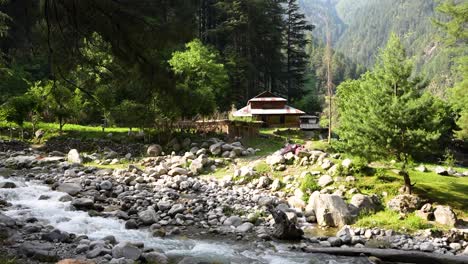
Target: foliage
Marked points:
391	220
203	78
384	113
17	109
57	101
456	39
296	56
308	185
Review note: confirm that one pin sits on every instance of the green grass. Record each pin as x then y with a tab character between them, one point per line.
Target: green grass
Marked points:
444	190
391	220
69	130
266	145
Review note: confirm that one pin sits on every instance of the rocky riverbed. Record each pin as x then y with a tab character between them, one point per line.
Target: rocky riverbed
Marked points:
161	211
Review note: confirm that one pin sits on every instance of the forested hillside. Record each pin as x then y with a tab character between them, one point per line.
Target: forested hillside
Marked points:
362	27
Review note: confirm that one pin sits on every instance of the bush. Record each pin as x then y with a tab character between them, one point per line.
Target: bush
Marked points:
308	186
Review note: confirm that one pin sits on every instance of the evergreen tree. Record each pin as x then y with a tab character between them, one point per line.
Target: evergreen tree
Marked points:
457	39
296	57
385	114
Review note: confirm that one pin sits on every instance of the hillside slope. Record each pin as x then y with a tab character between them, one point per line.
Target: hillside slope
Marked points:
362	27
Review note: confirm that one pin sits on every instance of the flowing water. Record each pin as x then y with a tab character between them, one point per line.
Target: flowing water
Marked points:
60	215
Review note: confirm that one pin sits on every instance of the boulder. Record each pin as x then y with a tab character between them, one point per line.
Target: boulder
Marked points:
275	159
70	188
74	156
196	166
7	185
148	216
441	171
216	148
284	227
445	215
177	171
155	257
330	210
244	228
325	180
426	212
154	150
233	221
404	203
366	203
126	250
83	203
176	208
39	251
106	185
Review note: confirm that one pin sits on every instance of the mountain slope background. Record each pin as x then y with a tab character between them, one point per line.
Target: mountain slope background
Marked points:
361	27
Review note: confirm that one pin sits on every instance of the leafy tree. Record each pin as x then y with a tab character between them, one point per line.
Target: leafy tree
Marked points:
201	78
385	113
58	102
130	114
17	109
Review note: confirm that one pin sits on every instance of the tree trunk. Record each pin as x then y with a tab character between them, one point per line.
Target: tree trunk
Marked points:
408	185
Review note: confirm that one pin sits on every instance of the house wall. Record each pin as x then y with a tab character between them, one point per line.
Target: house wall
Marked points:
276	120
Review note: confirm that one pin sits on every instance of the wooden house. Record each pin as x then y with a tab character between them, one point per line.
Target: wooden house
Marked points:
272	110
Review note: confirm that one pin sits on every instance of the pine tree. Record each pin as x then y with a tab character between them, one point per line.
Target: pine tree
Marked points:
457	39
385	113
296	41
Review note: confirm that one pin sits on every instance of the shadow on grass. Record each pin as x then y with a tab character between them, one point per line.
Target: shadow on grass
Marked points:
455	196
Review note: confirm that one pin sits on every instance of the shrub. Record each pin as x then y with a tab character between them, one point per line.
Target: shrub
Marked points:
308	186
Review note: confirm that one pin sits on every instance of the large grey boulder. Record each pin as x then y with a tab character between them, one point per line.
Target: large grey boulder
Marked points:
126	250
445	215
233	221
275	159
365	203
70	188
216	148
176	208
404	203
83	203
330	210
7	185
154	150
155	257
39	251
74	156
148	216
244	228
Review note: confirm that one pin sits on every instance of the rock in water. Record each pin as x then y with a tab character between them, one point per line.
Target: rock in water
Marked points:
7	185
74	156
284	228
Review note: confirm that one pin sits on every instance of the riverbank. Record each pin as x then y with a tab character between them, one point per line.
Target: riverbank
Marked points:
165	198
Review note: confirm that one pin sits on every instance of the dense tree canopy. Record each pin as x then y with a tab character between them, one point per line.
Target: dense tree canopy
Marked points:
385	112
